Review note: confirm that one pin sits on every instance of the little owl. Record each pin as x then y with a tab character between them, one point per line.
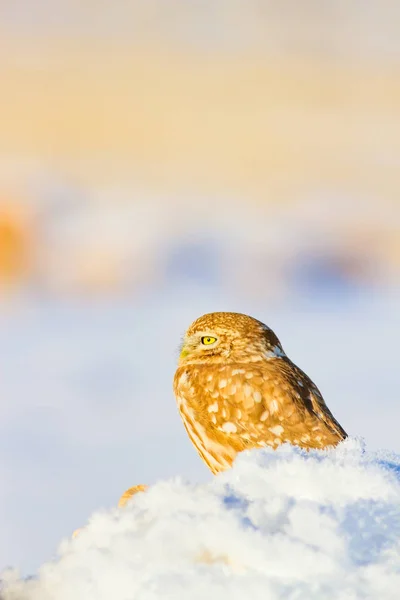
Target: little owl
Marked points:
236	389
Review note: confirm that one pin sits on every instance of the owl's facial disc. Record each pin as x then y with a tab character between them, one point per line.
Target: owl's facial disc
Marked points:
201	344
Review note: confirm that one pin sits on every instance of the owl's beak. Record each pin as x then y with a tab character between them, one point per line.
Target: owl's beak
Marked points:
184	352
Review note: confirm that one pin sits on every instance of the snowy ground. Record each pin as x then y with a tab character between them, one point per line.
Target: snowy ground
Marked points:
279	525
88	411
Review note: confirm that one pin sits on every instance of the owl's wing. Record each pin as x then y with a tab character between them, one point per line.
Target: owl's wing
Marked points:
307	393
278	402
320	409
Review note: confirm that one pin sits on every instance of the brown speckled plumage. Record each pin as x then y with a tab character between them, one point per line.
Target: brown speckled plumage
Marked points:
243	392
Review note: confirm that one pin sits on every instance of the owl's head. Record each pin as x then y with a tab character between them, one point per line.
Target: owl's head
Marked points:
225	337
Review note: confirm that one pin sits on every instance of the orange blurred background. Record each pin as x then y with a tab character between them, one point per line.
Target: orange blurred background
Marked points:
188	106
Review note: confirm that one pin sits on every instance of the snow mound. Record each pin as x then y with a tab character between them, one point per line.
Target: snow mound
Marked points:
282	524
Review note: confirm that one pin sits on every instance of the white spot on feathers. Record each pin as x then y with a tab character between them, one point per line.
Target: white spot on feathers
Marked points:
238	371
277	430
273	406
257	396
229	427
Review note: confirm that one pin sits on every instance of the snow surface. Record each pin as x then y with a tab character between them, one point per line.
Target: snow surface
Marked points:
280	525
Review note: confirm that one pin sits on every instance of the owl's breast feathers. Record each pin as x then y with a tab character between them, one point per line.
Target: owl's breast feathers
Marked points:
227	409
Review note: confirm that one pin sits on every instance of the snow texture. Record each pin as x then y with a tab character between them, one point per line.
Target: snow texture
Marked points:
282	524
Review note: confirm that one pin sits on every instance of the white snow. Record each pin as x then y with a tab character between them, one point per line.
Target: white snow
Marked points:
283	524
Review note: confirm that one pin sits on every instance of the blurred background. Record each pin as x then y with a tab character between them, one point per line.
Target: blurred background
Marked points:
162	160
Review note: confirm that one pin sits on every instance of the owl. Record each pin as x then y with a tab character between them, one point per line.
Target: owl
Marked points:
236	389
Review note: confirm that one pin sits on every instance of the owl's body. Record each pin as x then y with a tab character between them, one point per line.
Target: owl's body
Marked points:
236	389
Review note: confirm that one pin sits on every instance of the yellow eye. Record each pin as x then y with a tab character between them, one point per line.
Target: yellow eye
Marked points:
208	340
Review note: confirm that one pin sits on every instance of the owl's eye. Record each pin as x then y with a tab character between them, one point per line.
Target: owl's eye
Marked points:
207	340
